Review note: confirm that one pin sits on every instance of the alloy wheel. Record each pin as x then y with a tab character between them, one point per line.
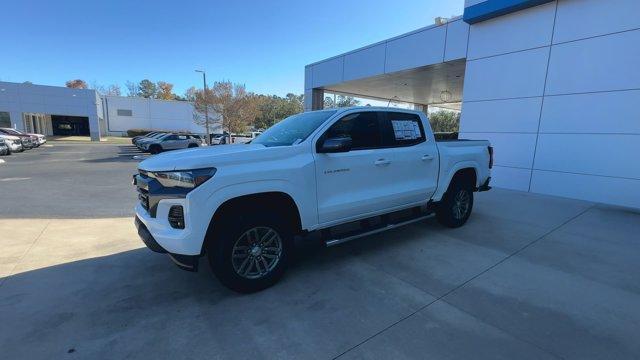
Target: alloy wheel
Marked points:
256	252
461	204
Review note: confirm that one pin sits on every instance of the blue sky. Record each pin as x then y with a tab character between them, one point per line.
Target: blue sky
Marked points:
262	44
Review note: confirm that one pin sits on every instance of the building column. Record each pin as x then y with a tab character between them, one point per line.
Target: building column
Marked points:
94	127
317	99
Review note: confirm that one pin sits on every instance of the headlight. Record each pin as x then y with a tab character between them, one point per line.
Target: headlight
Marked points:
187	179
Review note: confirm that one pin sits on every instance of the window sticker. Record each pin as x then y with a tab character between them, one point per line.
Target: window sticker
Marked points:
406	129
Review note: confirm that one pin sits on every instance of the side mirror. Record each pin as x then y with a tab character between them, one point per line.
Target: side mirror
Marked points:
335	145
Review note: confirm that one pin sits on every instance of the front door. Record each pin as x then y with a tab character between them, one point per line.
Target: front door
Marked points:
354	183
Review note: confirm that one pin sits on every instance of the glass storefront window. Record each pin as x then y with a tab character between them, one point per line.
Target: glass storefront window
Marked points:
5	119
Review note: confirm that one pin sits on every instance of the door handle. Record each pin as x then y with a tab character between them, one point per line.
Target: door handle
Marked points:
427	157
382	162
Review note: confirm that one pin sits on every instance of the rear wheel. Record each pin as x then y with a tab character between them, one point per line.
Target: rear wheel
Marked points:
251	252
155	149
455	207
193	145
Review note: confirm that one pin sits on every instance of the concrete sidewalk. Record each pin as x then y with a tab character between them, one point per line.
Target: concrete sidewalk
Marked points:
529	276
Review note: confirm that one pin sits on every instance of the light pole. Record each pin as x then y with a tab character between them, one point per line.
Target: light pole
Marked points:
206	107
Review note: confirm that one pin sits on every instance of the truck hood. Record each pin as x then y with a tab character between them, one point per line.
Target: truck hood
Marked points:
212	156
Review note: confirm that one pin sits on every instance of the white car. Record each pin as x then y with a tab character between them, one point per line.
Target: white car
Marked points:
13	142
242	205
171	141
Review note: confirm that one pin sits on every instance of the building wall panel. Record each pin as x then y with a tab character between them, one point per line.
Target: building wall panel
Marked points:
328	72
514	32
594	154
510	178
510	149
598	64
514	115
520	74
457	40
422	48
609	112
610	190
364	63
579	19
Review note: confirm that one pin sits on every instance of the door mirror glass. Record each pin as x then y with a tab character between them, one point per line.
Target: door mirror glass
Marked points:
335	145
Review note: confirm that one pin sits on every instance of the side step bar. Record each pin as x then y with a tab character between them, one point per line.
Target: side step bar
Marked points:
380	229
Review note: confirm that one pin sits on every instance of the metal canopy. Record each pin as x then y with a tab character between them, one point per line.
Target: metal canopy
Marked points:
430	85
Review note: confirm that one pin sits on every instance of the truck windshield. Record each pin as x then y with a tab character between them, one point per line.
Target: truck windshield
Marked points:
293	129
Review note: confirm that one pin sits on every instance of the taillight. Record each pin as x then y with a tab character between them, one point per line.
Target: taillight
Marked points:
490	148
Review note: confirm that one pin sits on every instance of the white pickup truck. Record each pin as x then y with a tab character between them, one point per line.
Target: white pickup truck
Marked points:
333	175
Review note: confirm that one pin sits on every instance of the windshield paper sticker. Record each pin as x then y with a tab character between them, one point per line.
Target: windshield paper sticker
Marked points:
406	129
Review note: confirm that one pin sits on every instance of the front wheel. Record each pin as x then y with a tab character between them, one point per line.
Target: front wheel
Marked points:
251	252
455	207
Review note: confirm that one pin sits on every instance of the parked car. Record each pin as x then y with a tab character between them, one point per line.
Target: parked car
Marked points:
26	140
217	138
13	142
149	138
244	138
307	176
135	139
171	141
36	139
4	148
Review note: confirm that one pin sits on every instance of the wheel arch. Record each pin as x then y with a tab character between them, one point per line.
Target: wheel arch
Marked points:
466	168
278	201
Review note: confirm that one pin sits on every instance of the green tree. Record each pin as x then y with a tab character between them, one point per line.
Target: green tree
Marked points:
274	108
341	101
147	89
445	121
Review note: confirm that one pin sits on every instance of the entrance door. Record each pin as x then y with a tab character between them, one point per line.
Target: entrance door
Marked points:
70	125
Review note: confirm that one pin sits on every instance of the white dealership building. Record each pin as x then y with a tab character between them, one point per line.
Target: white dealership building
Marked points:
554	85
54	110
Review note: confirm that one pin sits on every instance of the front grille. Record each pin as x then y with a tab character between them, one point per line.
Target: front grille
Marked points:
176	217
143	195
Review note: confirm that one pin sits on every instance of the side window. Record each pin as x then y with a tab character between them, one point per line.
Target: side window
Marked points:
402	129
171	137
363	129
182	137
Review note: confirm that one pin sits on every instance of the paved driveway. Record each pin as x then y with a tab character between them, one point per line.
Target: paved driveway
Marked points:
528	277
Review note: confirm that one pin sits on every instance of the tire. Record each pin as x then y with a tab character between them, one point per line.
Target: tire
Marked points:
155	149
455	207
255	271
193	146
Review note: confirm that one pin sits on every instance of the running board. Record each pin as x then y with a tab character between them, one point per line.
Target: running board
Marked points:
376	230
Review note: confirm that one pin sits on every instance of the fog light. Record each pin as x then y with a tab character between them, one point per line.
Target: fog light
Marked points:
176	217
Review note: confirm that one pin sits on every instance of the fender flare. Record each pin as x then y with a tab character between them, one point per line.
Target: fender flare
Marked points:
445	181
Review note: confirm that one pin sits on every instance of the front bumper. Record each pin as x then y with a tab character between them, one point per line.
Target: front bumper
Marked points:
15	146
185	262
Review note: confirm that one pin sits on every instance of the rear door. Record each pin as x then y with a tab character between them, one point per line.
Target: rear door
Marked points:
415	156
